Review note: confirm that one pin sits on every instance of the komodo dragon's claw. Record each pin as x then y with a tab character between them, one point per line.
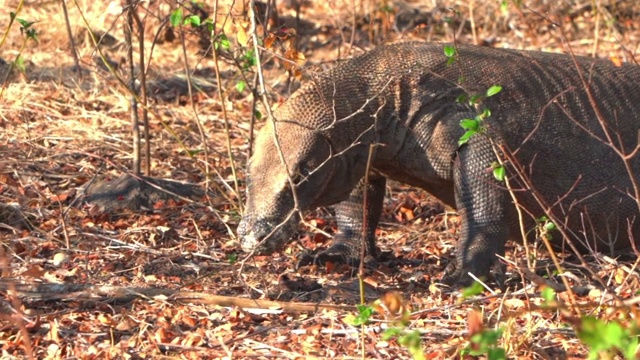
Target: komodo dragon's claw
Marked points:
336	254
458	277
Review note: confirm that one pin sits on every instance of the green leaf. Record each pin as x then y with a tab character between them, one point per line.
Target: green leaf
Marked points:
474	99
241	85
466	137
449	50
19	64
176	17
630	350
549	295
496	354
462	98
258	114
614	335
499	172
504	6
410	340
209	25
31	34
25	24
223	42
193	20
413	342
495	89
249	59
391	333
470	124
487	337
475	289
349	319
486	343
232	258
364	315
473	126
549	226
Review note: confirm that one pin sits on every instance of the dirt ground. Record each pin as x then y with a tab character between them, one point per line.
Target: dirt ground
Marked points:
98	264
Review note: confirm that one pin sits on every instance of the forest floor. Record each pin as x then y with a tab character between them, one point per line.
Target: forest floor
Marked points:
141	275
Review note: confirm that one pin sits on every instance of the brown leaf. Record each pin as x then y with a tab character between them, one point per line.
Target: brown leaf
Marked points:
125	325
295	56
6	179
35	271
616	60
297	73
474	322
407	213
269	40
190	321
162	335
394	302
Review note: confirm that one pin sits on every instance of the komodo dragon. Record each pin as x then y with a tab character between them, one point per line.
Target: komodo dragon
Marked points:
409	100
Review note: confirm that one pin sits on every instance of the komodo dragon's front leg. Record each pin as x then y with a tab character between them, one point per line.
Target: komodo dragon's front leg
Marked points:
347	245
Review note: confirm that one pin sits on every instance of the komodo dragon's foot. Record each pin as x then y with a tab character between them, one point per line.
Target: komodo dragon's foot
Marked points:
338	253
458	276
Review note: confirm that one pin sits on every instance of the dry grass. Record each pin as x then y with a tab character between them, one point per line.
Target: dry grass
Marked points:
60	129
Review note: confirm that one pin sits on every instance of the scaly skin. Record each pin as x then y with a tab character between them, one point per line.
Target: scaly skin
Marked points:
405	99
347	245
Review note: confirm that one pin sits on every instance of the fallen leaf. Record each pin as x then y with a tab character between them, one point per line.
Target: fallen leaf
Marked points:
474	322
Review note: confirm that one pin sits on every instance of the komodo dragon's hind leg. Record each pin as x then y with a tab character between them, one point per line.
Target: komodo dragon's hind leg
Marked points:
347	244
482	205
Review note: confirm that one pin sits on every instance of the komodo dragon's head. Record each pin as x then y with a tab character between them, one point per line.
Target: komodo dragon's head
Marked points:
321	175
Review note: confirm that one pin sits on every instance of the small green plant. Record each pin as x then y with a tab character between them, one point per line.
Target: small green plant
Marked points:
485	342
476	125
450	52
221	41
499	172
472	290
550	298
608	338
362	318
247	59
393	307
412	340
25	28
545	227
482	341
29	33
176	17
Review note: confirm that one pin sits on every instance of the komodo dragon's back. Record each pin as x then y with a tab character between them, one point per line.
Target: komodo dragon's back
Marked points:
570	125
